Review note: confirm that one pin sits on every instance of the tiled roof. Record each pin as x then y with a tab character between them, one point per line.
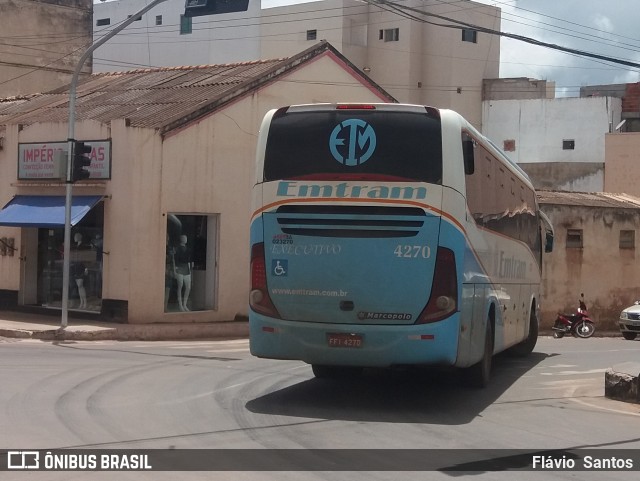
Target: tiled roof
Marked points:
588	199
162	98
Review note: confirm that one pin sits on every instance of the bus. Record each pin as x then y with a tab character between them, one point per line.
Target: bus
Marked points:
390	235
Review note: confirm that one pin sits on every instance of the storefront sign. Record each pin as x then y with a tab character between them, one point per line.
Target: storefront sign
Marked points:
40	160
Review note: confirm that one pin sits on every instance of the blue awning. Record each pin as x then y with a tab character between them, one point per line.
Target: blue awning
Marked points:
45	210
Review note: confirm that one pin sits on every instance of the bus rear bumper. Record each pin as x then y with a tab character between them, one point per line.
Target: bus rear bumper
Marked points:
368	345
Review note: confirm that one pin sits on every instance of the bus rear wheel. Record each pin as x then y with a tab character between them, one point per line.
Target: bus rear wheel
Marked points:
478	375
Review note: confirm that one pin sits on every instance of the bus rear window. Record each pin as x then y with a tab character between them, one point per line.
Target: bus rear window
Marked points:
354	144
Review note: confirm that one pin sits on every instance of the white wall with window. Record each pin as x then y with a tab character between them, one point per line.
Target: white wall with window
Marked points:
416	62
552	130
164	37
559	142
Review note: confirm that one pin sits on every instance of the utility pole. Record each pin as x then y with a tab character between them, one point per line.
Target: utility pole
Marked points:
193	8
71	148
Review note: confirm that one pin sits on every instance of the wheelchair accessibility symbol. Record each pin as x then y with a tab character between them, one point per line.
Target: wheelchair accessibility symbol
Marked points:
279	267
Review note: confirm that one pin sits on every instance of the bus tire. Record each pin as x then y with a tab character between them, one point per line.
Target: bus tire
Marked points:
322	371
478	375
526	347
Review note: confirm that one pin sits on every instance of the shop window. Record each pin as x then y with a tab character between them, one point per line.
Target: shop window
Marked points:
627	239
86	259
190	263
574	238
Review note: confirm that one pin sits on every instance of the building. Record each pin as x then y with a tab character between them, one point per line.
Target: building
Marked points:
622	162
173	151
630	95
559	142
416	61
42	43
622	144
165	37
594	253
519	88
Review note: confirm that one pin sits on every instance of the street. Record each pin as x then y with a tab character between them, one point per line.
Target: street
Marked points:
215	395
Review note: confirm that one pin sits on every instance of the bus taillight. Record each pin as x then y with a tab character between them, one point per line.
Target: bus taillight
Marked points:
259	298
444	292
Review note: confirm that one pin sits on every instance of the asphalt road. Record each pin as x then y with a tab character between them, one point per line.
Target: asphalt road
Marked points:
214	395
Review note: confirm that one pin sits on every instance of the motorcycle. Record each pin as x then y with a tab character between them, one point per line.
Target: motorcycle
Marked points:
578	324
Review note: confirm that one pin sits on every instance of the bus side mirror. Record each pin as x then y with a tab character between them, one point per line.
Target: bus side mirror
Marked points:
547	226
467	154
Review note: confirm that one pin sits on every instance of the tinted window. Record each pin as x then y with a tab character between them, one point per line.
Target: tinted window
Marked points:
501	202
356	144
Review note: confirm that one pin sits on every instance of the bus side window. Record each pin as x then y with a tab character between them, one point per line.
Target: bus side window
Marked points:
467	154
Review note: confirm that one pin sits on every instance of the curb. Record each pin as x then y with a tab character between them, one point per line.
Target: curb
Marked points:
129	332
621	382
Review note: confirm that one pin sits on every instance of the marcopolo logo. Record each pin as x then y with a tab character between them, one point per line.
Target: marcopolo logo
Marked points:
352	142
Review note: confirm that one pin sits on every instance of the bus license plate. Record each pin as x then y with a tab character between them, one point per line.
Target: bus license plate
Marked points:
344	340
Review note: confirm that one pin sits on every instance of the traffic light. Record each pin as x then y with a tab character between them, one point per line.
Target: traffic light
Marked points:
80	161
197	8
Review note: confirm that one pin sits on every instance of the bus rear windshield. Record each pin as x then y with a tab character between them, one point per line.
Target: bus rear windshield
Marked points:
353	145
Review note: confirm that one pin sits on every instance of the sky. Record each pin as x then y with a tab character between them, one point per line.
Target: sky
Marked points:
603	27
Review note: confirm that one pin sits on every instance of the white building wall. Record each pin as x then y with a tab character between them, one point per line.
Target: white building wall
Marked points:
342	23
453	70
216	39
154	175
427	64
540	126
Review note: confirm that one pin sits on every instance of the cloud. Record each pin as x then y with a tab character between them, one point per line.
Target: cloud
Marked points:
604	28
603	22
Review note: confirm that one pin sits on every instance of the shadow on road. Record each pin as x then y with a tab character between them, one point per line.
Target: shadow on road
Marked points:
415	395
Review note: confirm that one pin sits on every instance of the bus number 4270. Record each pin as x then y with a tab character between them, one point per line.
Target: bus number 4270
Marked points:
408	251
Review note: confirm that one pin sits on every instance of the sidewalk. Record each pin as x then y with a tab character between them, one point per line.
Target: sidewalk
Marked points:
23	325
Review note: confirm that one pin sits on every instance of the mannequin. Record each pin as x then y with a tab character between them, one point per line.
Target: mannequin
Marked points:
182	270
79	272
169	272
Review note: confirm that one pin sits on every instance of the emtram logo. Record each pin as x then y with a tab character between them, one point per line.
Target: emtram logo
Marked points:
352	142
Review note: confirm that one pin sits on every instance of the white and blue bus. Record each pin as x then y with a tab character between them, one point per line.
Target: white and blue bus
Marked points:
390	235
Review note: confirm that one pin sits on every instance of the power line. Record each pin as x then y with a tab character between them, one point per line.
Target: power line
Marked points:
461	25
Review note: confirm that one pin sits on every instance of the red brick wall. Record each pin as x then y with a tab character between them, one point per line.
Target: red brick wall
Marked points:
631	99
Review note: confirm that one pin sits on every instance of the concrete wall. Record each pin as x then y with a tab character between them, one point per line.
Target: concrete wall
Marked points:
517	89
31	66
537	129
607	275
427	65
453	70
568	176
622	163
225	38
